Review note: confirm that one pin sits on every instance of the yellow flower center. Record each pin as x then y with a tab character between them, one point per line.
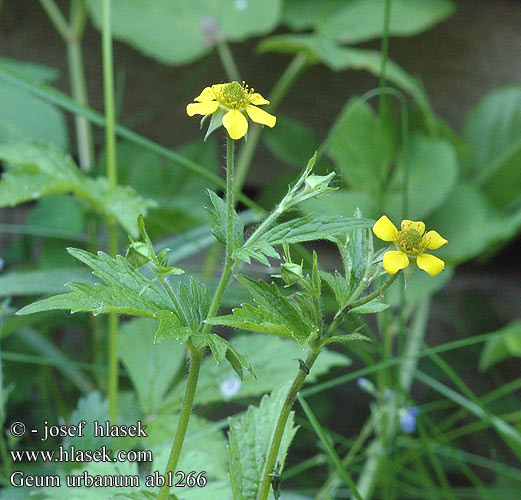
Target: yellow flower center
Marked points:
411	242
234	95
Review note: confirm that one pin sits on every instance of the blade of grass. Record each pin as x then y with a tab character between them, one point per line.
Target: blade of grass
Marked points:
509	433
41	345
335	459
343	379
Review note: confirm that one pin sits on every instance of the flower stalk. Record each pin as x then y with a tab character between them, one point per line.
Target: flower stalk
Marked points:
197	353
316	348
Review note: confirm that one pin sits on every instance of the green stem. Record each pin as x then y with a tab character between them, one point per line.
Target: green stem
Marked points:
327	491
373	465
287	79
57	18
110	144
72	33
228	61
385	53
108	90
299	381
78	83
333	457
196	355
229	261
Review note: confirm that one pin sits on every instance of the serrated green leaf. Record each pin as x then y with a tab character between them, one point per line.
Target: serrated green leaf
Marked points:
250	440
38	169
151	368
313	227
194	302
126	292
276	314
339	286
217	219
259	250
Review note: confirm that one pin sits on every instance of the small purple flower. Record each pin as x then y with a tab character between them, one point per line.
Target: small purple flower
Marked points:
408	419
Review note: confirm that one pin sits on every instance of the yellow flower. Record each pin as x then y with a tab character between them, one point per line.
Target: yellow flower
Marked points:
236	101
411	241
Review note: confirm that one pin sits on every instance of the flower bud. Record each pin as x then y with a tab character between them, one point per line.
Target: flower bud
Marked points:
138	254
317	182
291	273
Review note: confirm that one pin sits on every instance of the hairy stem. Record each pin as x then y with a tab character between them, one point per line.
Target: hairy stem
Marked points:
196	356
110	144
197	353
299	381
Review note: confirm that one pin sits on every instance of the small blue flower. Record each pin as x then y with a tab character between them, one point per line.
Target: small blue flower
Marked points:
366	385
408	419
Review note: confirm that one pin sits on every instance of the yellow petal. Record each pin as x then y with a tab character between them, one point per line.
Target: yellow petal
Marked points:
202	108
235	123
205	96
385	229
394	261
258	100
260	116
430	264
434	240
411	224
